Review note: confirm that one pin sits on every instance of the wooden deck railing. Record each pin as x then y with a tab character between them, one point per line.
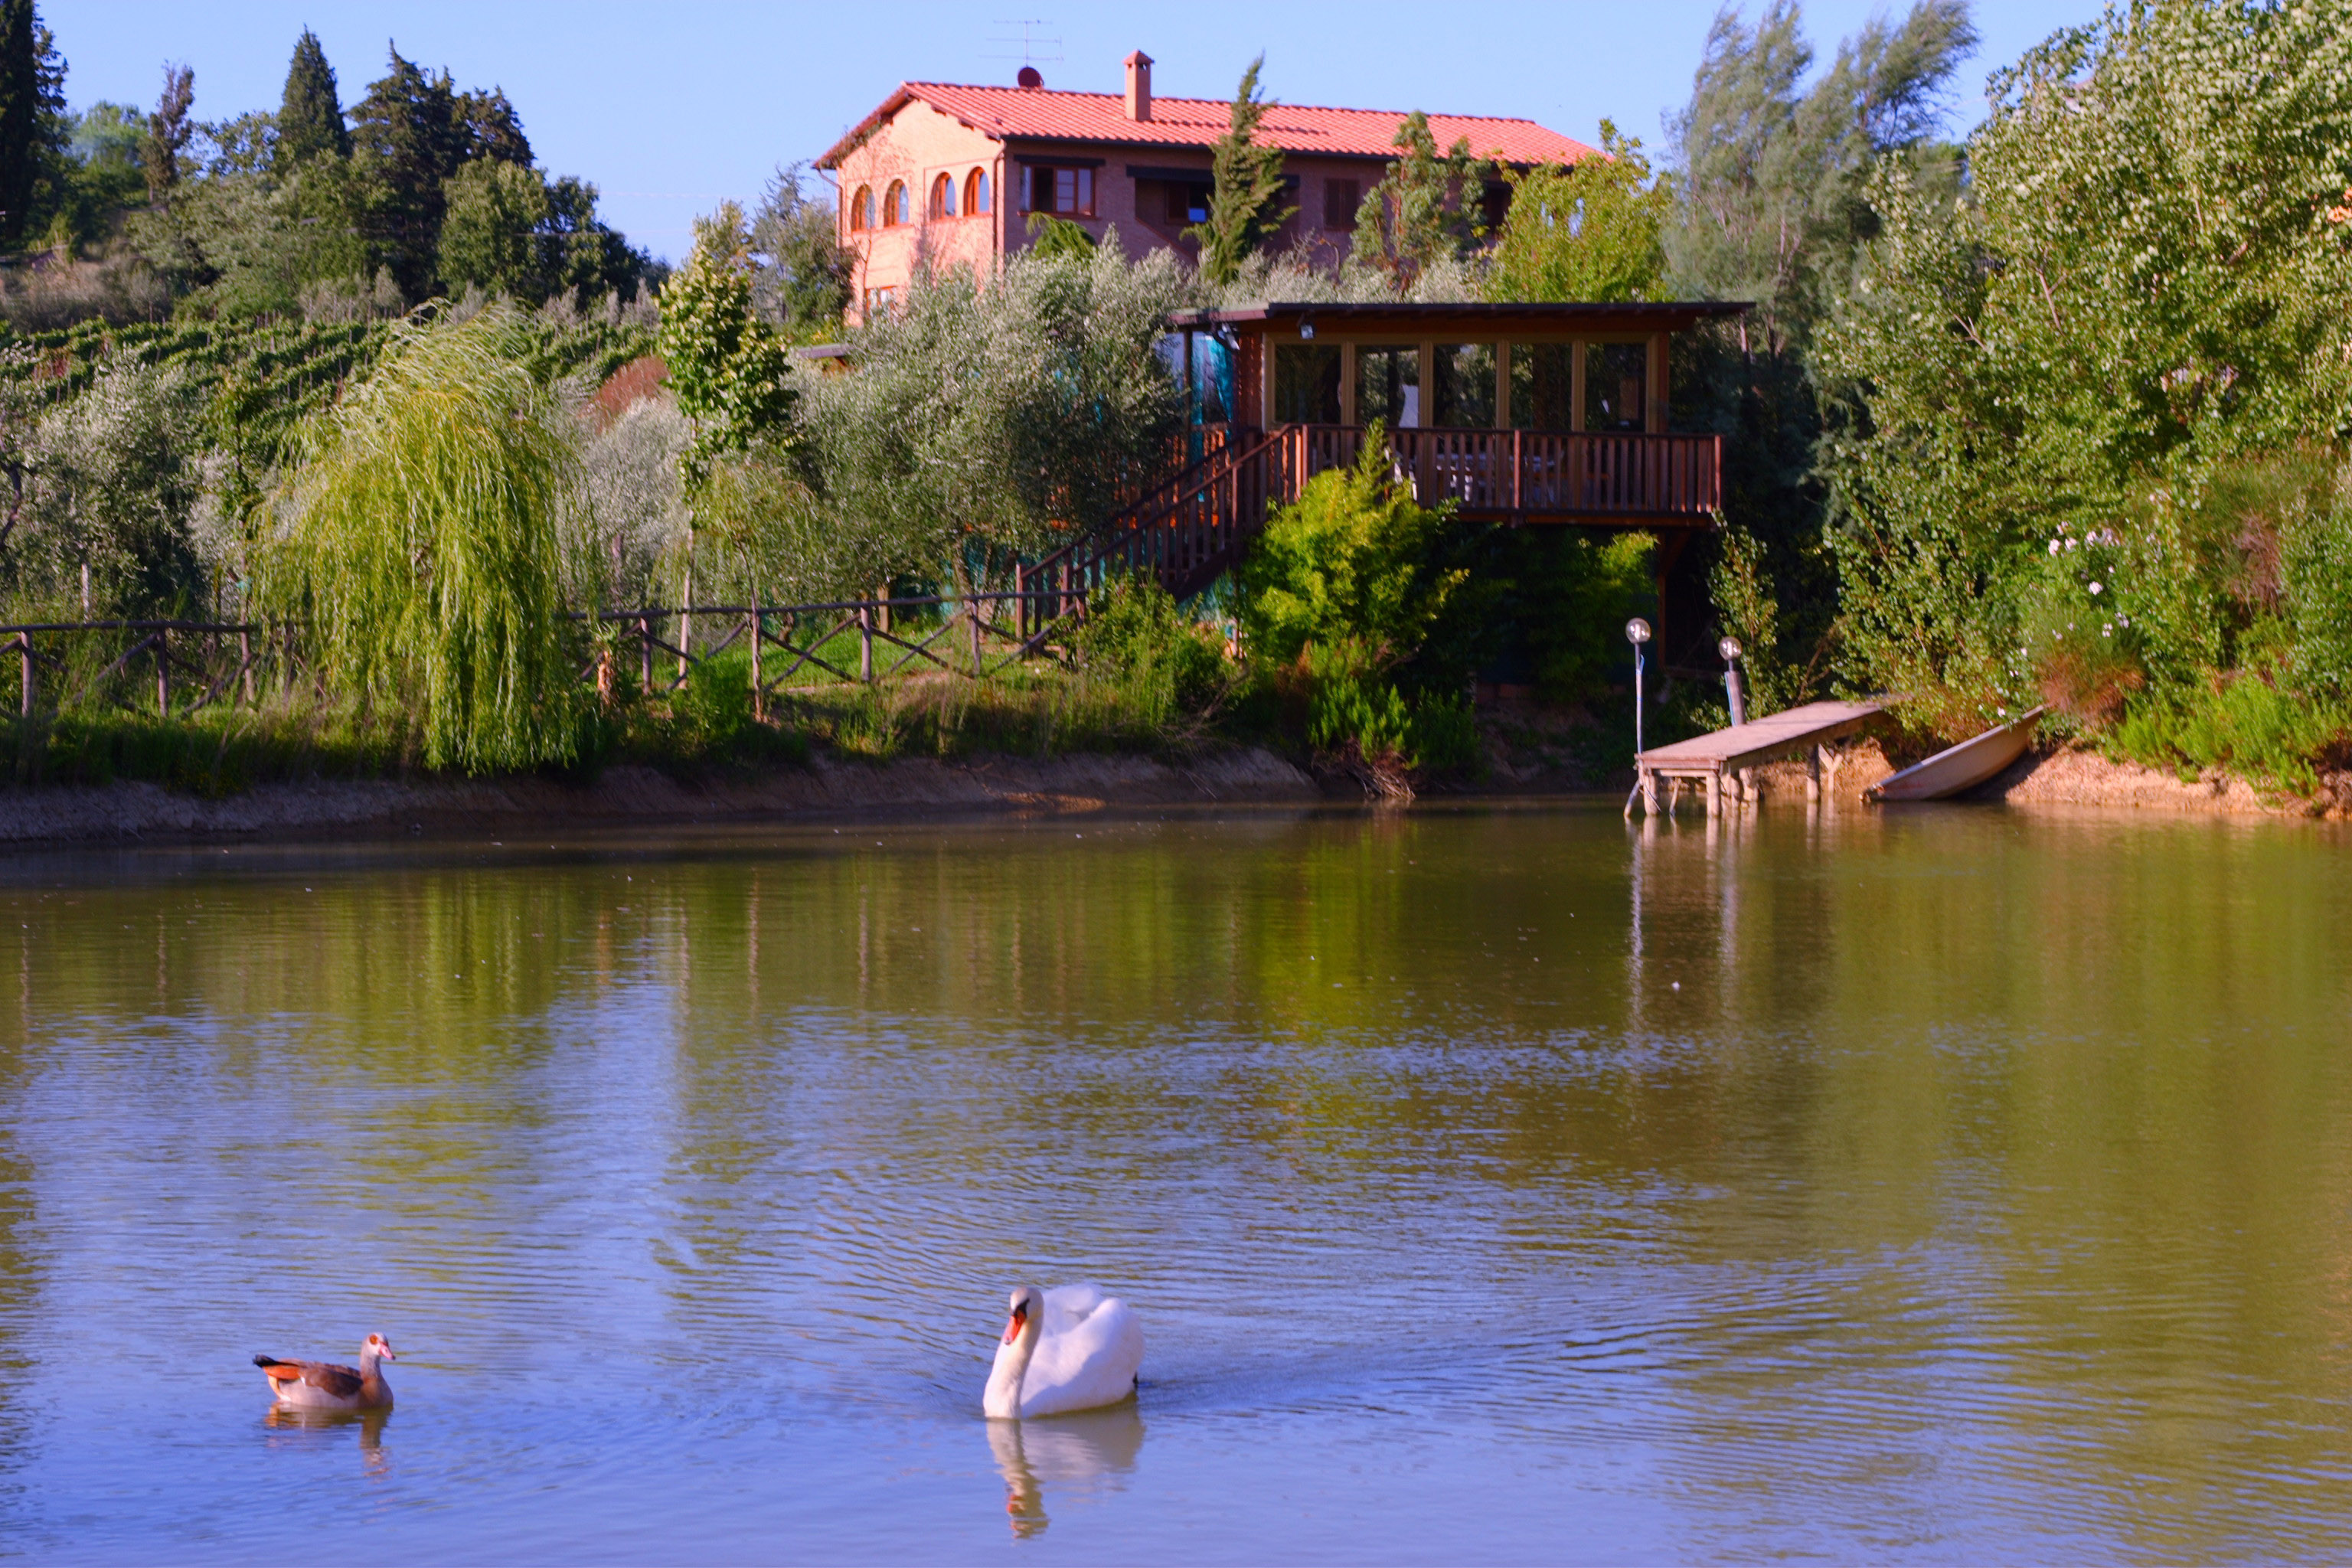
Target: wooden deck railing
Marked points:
1192	527
1540	474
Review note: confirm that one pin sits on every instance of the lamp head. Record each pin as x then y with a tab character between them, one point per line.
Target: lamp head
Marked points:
1729	648
1306	329
1637	631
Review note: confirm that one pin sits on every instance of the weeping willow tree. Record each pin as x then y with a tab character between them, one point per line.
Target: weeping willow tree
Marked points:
423	549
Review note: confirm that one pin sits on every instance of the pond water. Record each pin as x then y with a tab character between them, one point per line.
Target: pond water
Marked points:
1493	1184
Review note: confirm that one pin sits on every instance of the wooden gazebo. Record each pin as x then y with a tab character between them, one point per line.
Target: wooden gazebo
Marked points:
1517	412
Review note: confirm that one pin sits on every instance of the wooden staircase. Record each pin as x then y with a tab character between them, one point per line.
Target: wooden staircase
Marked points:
1186	530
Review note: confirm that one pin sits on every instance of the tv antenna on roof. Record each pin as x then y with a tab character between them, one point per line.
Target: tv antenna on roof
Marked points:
1027	40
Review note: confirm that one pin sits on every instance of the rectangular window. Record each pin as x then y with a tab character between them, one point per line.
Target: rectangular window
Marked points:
1540	385
1341	200
1067	193
1616	382
878	301
1388	386
1187	202
1307	384
1465	385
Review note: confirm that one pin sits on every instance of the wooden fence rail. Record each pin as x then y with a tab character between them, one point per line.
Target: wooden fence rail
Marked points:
974	635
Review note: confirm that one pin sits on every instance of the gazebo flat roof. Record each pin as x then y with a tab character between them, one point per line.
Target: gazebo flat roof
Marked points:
1671	315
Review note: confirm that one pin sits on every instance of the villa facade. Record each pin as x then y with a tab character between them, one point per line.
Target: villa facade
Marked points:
953	172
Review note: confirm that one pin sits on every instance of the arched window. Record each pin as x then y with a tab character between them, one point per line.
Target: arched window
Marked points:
943	195
975	191
894	204
861	209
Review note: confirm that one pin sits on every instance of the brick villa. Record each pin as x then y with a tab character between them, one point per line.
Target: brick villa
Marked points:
953	172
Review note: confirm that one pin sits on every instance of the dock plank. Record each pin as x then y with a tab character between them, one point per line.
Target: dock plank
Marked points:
1787	733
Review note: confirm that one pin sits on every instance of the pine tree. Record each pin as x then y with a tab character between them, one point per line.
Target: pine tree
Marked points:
1244	210
311	116
32	106
412	133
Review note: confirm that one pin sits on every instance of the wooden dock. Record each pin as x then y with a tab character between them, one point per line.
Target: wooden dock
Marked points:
1706	760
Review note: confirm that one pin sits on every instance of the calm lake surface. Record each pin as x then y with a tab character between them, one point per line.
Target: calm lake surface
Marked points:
1493	1184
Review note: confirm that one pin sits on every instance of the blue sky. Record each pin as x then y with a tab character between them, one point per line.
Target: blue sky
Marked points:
668	109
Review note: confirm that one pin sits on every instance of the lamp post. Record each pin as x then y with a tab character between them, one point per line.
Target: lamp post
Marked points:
1729	648
1637	632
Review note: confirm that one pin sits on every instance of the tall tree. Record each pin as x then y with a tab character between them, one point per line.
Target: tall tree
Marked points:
1586	232
1771	175
310	115
726	365
168	130
1771	208
804	283
1244	206
32	110
488	235
1427	206
412	133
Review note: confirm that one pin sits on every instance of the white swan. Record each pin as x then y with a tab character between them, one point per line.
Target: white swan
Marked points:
1070	1348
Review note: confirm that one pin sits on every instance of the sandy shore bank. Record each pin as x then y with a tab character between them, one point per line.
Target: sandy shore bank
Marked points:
638	795
2069	778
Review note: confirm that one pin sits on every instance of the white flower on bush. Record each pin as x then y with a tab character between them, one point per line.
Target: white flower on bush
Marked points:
2096	588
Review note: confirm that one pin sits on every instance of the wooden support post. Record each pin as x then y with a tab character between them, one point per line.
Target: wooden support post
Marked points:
1813	773
162	672
1714	793
865	643
1649	794
758	692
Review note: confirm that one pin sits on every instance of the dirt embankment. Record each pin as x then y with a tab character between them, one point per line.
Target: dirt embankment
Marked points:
2070	777
638	795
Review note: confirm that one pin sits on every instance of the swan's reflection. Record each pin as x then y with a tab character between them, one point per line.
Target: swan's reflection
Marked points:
374	1457
1061	1450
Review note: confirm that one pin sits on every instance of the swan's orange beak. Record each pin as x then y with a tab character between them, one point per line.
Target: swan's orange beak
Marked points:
1012	1326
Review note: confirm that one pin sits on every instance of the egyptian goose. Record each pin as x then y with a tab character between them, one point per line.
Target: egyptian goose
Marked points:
321	1385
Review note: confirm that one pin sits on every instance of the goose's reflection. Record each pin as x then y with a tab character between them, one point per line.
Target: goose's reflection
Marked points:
1065	1451
373	1455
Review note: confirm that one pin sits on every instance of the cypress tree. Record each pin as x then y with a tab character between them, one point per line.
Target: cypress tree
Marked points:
310	117
1245	206
32	99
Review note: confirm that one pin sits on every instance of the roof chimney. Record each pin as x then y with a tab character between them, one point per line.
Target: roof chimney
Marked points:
1139	86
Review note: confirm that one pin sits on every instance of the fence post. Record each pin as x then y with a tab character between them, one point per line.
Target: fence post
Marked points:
24	648
646	652
758	692
865	643
245	661
162	672
973	611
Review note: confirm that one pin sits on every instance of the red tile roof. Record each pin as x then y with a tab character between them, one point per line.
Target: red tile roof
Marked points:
1036	113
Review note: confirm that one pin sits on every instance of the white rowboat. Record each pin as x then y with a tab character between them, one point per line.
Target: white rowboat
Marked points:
1960	767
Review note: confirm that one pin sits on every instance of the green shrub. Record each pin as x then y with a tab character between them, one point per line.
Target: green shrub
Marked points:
1135	633
1353	558
2315	569
2242	723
